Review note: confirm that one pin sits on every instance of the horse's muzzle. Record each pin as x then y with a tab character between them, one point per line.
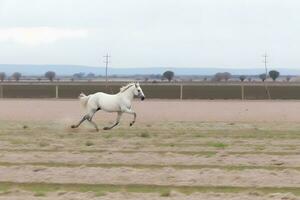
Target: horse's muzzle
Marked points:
142	98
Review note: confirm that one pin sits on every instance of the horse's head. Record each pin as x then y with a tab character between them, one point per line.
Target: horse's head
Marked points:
138	91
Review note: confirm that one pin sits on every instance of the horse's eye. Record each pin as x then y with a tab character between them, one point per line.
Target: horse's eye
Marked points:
139	90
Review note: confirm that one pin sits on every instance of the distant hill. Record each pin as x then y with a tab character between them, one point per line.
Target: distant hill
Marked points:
71	69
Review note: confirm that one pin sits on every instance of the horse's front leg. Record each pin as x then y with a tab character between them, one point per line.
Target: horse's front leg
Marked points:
116	123
129	111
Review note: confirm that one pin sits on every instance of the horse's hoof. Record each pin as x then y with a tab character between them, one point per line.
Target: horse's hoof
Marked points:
73	126
106	128
130	124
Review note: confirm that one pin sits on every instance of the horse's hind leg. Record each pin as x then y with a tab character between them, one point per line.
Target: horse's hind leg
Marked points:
85	117
93	123
116	123
90	117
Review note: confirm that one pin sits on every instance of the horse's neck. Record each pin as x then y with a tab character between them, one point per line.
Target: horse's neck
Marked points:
128	94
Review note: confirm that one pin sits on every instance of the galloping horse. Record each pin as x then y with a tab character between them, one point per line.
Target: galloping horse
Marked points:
120	103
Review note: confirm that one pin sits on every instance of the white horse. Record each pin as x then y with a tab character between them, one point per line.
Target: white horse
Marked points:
120	103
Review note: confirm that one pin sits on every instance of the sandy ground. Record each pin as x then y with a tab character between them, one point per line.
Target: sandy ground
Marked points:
159	110
132	196
163	176
220	159
175	144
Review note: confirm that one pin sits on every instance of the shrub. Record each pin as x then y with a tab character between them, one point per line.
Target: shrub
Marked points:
89	143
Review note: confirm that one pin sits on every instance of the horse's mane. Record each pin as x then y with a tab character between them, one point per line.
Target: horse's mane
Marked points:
124	88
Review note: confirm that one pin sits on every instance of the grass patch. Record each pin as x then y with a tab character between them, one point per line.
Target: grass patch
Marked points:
219	145
4	188
152	166
210	154
43	144
260	147
166	193
17	141
43	188
40	194
199	153
145	135
100	194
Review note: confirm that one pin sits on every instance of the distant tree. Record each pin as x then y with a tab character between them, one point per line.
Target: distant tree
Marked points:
249	79
218	76
222	76
262	77
205	78
155	76
274	74
78	75
50	75
2	76
16	76
90	75
226	76
242	78
288	78
169	75
39	79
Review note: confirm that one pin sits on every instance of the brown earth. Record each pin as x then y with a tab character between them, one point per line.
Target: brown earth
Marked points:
17	195
224	149
159	110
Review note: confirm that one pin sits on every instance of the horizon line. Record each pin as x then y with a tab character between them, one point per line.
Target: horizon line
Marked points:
165	67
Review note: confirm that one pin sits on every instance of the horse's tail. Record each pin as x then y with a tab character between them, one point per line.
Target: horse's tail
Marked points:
83	99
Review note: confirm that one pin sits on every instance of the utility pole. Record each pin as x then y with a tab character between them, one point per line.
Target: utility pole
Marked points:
265	61
106	61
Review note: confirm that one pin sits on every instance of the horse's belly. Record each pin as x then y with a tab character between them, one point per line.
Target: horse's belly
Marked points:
110	108
109	104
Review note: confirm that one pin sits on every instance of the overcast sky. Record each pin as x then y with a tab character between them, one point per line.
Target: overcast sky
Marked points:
150	33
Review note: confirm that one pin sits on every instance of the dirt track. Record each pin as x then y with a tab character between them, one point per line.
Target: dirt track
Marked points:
159	110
